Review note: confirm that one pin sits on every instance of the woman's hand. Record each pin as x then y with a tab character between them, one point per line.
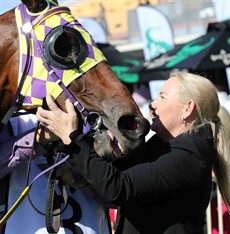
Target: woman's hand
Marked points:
44	136
57	121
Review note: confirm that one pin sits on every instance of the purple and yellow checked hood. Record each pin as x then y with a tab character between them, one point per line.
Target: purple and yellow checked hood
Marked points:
38	82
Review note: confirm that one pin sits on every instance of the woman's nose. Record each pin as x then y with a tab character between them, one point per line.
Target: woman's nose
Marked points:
151	106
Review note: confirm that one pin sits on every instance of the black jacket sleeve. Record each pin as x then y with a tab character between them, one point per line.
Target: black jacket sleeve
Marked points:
175	170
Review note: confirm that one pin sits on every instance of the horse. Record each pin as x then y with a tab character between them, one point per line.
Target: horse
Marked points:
98	90
100	98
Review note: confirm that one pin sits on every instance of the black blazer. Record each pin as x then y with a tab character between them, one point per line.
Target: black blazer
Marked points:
164	188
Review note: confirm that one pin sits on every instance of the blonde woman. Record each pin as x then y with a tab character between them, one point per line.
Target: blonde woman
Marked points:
166	187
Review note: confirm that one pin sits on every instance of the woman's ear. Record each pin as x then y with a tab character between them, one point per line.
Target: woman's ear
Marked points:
189	109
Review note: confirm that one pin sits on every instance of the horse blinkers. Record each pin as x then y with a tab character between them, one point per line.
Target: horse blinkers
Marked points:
65	48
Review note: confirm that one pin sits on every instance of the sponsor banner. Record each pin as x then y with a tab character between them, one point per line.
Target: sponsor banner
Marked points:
156	31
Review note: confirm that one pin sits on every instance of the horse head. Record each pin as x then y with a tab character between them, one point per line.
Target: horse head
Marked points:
97	89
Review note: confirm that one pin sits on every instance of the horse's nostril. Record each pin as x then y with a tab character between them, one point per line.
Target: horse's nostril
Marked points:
133	126
129	123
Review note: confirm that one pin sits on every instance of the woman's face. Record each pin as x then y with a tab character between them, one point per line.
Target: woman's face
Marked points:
167	111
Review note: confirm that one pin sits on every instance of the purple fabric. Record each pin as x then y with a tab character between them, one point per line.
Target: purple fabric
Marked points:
16	150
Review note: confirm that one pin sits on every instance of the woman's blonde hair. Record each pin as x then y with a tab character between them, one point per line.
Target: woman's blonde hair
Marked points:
204	93
225	120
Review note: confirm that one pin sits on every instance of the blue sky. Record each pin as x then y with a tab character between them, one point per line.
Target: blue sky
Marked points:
6	5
